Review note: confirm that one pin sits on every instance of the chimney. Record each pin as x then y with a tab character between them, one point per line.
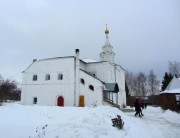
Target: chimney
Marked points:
77	53
76	93
34	60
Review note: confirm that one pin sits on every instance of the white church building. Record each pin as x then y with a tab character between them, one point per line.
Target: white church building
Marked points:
70	81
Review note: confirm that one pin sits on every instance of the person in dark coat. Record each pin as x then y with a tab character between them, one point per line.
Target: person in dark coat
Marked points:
137	108
145	105
141	106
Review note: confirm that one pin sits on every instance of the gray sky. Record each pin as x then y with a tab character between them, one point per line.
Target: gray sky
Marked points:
145	34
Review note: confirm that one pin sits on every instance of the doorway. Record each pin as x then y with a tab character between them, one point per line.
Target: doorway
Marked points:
81	101
60	101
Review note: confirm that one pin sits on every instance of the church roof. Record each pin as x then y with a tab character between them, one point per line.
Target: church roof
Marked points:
87	60
112	87
56	58
92	75
35	60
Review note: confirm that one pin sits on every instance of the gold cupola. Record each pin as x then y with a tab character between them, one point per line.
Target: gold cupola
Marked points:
106	31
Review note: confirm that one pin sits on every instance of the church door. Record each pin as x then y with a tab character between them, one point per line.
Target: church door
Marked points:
81	101
60	101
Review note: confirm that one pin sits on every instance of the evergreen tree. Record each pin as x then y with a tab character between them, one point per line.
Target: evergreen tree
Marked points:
167	78
127	90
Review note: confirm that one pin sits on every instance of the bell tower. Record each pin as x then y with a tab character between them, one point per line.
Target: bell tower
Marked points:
107	54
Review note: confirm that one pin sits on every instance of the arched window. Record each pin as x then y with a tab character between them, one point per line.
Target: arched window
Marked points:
91	87
34	77
60	76
47	76
82	81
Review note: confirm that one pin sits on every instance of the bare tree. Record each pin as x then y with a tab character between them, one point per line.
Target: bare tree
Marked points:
141	84
131	81
153	83
1	79
174	68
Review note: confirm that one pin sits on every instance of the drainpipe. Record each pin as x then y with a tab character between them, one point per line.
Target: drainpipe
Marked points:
115	72
76	95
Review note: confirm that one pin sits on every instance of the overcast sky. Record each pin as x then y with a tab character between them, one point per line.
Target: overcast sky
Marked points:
145	34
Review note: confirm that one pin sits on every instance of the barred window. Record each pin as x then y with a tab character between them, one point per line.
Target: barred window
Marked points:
60	76
47	77
35	77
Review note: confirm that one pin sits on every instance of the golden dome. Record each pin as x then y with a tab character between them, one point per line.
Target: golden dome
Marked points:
106	31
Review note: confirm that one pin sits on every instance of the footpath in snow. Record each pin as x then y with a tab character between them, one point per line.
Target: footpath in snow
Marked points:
155	123
20	121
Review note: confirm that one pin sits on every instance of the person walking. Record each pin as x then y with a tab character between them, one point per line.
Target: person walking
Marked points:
141	106
137	108
145	105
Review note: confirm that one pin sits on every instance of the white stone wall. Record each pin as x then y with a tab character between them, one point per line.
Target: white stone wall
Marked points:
47	95
110	74
47	91
91	98
121	82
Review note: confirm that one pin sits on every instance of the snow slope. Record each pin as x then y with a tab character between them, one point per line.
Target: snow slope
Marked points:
20	121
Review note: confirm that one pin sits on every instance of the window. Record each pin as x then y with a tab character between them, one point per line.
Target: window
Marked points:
91	87
35	100
82	81
47	76
34	77
60	76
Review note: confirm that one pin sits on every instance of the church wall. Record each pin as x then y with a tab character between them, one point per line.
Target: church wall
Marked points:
91	98
48	94
120	79
97	69
83	65
48	90
106	72
103	71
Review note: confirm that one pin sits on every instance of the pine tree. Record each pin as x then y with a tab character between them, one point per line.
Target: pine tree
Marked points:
167	78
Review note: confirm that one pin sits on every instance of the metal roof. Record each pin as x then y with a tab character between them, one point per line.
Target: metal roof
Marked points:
112	87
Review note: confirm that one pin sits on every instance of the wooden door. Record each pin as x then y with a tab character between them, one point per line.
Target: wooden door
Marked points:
81	101
60	101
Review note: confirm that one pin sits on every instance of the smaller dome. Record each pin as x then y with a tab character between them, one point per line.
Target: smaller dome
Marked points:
106	31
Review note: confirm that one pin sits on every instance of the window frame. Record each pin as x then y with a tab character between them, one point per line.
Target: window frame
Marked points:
82	81
35	77
47	77
60	76
91	87
34	100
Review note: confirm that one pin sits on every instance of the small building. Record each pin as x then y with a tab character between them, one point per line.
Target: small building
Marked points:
70	81
170	97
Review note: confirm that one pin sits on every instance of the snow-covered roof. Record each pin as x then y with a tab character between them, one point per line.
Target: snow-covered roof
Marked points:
174	91
112	87
87	60
173	87
174	84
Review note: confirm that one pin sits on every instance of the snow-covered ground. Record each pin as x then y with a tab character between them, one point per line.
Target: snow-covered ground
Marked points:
20	121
